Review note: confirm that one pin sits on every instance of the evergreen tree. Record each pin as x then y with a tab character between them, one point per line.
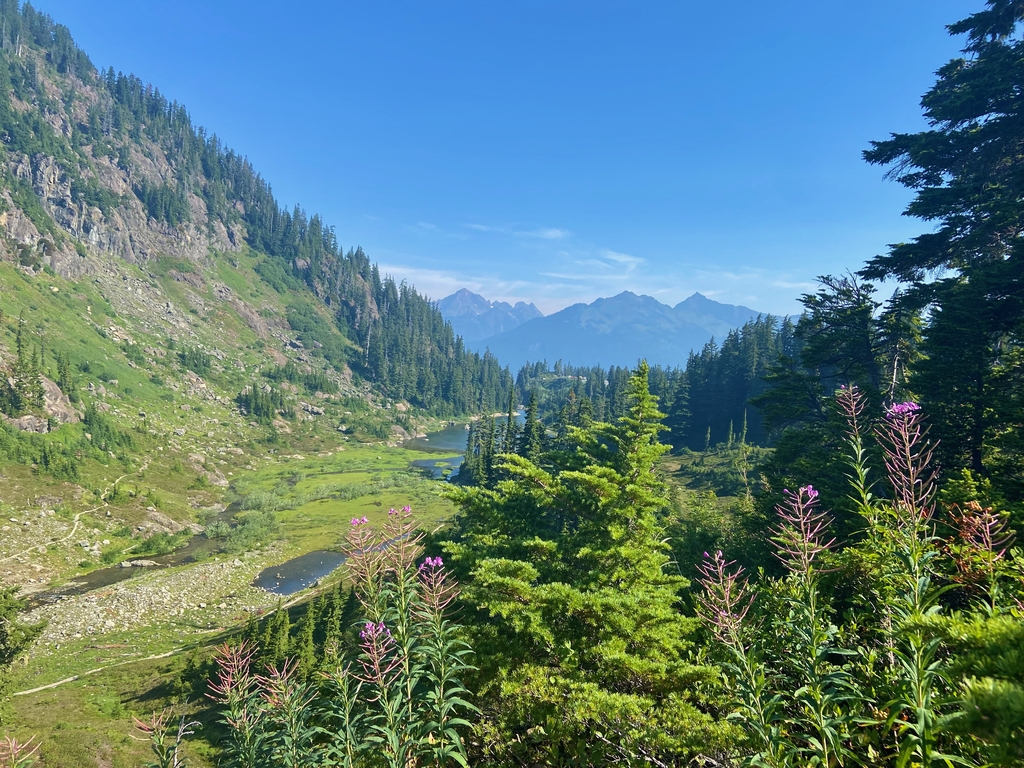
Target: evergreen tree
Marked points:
532	443
510	437
577	617
969	267
275	643
65	379
331	620
304	648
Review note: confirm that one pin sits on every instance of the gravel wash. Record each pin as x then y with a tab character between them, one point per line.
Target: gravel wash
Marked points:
192	599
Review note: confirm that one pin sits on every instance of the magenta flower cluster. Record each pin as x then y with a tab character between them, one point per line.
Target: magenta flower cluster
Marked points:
902	409
359	521
431	562
373	631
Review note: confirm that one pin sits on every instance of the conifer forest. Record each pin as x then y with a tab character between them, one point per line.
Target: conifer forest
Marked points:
232	535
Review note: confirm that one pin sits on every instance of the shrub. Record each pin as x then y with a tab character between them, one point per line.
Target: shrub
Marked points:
816	683
195	360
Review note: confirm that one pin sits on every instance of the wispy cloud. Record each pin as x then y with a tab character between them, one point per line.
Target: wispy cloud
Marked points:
629	262
429	228
554	268
571	276
547	233
542	233
804	286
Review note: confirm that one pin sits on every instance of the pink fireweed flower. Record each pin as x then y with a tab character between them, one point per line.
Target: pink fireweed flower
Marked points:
726	599
436	588
373	631
282	688
377	662
851	403
902	409
403	538
907	454
234	680
800	535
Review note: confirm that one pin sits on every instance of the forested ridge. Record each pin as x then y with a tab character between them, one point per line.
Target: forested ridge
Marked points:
706	401
405	346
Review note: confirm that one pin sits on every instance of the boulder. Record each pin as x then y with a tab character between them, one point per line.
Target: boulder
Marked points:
29	423
57	404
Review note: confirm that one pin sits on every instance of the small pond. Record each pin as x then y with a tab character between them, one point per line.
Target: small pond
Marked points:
299	572
451	438
438	468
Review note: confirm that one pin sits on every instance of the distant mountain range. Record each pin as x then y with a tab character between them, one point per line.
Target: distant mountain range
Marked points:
473	317
614	331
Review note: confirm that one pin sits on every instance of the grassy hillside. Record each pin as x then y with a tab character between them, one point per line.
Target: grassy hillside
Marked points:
183	363
177	449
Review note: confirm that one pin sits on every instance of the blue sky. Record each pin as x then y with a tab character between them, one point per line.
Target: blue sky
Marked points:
560	151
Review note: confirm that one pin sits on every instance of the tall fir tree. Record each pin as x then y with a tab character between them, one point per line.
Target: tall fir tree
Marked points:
578	618
532	444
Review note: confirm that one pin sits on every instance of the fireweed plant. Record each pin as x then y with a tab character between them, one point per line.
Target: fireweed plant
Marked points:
880	684
399	703
17	754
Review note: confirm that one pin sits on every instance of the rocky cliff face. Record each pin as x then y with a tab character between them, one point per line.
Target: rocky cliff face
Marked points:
66	232
125	232
106	238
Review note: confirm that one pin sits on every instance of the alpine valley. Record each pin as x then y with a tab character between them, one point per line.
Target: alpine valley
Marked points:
265	506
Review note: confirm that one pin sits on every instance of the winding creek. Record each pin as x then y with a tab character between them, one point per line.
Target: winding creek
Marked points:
288	577
194	549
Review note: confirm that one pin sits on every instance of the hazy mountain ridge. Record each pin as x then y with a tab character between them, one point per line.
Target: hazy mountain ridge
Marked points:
618	331
473	317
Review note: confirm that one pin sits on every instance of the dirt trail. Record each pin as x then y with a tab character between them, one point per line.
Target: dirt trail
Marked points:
94	671
53	542
74	528
302	595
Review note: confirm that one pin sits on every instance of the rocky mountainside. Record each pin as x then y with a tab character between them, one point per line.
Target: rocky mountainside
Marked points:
619	331
102	175
473	317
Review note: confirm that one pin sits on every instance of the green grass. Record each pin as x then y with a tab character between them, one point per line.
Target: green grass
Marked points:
89	722
313	476
104	703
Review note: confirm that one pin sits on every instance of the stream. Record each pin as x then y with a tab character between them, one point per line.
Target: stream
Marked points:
193	550
288	577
